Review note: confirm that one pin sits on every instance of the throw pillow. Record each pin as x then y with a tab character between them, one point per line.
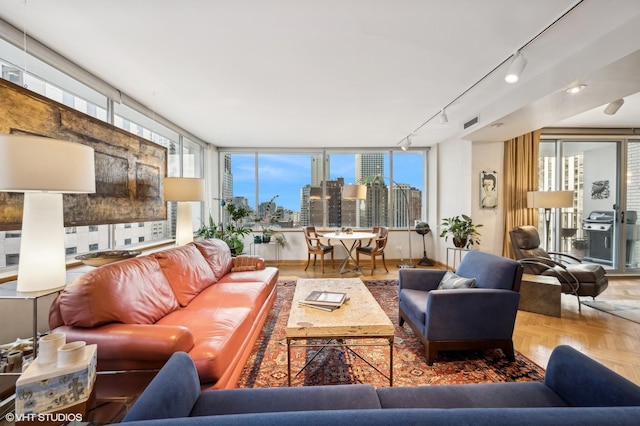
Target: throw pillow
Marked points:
244	263
453	281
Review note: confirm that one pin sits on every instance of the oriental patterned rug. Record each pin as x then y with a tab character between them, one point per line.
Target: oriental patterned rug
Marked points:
267	365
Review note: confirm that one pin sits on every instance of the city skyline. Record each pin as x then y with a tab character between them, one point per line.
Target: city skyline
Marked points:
285	175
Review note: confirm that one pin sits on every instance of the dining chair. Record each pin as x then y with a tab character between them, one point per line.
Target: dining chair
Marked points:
375	247
315	247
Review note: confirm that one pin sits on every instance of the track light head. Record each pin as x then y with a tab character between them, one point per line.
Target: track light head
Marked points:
515	69
443	117
405	144
614	106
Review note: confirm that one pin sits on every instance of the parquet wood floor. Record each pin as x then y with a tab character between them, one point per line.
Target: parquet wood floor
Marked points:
613	341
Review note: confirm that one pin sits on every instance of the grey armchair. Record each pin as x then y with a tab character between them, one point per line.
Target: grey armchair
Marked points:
471	318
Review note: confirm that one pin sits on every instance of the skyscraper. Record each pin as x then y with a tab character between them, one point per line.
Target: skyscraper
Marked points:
317	169
369	165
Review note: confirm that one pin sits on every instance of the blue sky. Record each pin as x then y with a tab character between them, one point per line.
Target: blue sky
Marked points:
286	174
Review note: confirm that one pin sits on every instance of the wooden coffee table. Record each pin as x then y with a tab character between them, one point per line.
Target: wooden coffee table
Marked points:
359	318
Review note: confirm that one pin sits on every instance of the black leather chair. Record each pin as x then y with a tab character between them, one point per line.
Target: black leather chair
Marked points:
576	277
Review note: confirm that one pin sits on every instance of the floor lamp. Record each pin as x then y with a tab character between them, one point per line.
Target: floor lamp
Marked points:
44	169
548	200
184	191
358	191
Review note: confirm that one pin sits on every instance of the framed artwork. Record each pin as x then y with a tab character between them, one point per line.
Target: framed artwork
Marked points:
130	170
600	190
488	190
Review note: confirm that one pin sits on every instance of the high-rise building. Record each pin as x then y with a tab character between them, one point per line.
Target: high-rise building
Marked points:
368	165
376	207
305	214
318	170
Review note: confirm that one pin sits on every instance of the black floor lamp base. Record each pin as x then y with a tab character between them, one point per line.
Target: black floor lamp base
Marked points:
425	261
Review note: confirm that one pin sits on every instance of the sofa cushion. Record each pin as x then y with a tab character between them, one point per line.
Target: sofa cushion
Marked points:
187	272
486	395
232	295
265	400
219	334
452	281
133	291
217	254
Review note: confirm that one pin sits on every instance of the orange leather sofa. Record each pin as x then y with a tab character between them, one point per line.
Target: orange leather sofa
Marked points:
194	298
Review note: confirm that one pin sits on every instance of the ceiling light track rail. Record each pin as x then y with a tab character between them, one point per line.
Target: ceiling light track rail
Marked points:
518	51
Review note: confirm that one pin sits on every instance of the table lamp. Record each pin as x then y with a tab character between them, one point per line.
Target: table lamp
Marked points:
44	169
548	200
184	190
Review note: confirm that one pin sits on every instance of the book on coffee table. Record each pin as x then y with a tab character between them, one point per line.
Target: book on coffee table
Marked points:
321	307
325	298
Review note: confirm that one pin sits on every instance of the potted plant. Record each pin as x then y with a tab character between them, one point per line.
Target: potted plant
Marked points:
462	230
233	233
269	219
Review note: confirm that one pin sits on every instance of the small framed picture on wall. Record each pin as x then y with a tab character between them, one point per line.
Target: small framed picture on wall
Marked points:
488	190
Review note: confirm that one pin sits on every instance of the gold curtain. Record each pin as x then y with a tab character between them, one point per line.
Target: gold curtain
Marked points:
520	176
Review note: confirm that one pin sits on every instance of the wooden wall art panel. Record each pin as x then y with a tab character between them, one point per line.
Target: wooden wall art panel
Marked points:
129	169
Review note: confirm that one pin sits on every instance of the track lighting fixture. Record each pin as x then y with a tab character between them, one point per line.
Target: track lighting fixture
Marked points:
576	89
443	117
614	106
405	144
515	69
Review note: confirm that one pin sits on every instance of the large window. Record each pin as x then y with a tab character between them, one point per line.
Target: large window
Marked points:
185	156
308	187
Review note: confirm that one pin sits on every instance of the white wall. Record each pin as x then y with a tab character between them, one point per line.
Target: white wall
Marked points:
488	157
459	164
600	165
453	195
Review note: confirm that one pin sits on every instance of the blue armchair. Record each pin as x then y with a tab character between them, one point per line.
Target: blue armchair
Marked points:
482	317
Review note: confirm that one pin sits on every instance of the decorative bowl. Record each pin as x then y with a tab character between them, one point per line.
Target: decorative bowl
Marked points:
103	257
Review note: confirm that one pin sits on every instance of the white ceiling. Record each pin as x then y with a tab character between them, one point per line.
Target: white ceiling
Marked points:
351	73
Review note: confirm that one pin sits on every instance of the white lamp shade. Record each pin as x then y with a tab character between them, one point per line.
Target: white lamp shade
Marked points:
43	169
183	189
31	163
549	199
354	192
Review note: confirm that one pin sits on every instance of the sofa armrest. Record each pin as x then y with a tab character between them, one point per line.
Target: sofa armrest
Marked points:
247	263
583	382
475	313
419	279
145	342
172	393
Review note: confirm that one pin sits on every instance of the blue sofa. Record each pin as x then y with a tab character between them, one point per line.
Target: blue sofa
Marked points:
576	391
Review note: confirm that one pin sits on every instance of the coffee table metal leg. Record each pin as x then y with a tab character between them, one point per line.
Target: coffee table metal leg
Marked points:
289	361
391	361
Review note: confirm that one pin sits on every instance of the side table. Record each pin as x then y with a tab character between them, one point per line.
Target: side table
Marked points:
457	252
253	249
9	290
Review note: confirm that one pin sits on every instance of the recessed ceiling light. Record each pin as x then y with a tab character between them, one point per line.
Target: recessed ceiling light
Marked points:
575	89
496	125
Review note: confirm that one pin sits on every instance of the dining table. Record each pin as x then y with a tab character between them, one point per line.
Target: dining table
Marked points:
349	241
